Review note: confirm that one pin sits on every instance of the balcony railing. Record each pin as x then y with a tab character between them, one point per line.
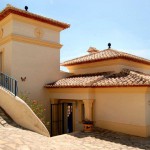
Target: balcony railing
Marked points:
8	83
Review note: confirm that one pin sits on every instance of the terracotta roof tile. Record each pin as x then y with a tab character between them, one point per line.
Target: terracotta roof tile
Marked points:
109	79
104	55
10	9
130	78
78	80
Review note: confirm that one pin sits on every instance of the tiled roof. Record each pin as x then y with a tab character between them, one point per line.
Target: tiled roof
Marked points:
104	55
10	9
124	78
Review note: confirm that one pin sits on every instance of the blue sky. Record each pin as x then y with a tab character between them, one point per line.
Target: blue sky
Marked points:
124	23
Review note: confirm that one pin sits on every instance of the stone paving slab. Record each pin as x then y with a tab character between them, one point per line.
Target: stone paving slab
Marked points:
19	139
13	137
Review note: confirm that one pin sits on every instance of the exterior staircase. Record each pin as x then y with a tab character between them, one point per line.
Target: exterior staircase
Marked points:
16	109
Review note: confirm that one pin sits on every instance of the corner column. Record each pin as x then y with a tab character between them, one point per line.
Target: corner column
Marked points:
88	108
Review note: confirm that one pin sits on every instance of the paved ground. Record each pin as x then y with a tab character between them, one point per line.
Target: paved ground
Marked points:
18	139
12	137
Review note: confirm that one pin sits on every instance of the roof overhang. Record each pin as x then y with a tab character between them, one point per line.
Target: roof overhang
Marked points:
105	59
12	10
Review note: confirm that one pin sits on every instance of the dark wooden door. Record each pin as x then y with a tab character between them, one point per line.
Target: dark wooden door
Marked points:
61	118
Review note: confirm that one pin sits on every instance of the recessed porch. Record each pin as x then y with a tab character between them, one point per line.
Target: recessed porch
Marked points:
66	115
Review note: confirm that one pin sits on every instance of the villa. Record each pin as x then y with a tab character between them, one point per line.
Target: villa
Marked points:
109	87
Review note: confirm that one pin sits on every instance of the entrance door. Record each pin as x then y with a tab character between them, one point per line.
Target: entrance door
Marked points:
61	118
0	62
69	118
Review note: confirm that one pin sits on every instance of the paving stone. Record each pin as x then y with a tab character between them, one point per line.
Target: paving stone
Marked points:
13	137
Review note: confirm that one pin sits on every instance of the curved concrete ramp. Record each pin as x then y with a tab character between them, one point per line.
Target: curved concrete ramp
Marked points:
21	113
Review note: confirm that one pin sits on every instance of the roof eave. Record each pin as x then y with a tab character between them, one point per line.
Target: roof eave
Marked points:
99	60
117	86
11	10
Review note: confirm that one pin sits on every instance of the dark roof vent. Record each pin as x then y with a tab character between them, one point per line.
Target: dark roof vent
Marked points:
109	45
26	8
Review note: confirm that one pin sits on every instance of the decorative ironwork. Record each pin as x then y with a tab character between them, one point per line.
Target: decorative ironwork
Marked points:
8	83
26	8
109	45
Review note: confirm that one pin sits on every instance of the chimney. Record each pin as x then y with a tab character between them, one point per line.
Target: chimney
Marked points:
92	50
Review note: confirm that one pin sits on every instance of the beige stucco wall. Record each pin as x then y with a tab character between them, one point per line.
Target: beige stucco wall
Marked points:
71	93
108	65
20	112
28	29
7	28
118	109
6	25
114	68
147	104
148	108
121	110
119	105
111	68
26	55
38	64
6	50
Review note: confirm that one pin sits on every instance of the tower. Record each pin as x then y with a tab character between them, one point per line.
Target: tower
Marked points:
30	49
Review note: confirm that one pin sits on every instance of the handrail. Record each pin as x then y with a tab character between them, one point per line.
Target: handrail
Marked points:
8	83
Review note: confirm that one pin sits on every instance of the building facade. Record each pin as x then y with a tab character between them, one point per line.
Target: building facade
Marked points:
30	51
109	87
